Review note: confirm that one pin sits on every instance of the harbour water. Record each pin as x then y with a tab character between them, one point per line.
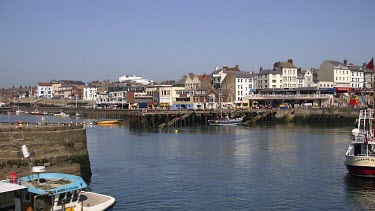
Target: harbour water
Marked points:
291	167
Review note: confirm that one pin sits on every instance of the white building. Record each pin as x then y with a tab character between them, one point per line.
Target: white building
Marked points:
44	90
308	79
243	84
268	79
90	92
289	74
168	95
357	78
134	79
336	72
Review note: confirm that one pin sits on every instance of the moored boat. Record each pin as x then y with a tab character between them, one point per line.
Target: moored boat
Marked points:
226	121
107	121
50	191
62	114
360	156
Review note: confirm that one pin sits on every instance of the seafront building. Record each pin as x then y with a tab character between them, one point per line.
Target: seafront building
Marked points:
225	87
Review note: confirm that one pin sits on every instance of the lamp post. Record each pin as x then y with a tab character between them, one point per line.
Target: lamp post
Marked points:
122	100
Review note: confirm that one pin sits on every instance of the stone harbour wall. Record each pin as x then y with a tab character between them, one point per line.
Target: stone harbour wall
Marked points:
62	149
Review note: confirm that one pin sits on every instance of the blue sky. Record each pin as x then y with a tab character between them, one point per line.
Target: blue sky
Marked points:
165	39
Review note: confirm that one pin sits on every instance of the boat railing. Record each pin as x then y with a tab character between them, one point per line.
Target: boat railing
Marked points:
366	114
361	155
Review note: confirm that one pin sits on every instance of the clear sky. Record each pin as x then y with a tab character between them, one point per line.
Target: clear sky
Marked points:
165	39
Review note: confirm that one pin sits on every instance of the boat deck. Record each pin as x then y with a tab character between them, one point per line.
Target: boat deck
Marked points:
46	183
95	201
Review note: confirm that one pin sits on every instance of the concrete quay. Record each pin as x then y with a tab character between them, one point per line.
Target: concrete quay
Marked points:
62	148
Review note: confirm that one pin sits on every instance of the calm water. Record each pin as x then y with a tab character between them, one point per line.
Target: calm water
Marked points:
226	168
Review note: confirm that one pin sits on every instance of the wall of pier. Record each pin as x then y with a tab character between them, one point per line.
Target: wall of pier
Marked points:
61	148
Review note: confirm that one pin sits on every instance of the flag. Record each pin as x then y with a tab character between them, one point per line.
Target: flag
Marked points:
370	65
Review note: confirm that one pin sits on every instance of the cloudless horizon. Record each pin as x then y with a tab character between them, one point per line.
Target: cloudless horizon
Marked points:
163	40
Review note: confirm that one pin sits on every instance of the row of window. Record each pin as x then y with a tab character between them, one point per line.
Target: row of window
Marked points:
240	80
342	78
289	72
342	72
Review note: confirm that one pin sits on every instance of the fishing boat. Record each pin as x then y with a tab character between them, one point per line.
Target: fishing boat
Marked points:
360	156
226	121
50	191
107	121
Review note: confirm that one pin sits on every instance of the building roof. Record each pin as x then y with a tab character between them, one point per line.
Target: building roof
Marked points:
44	84
204	77
357	68
288	64
241	74
269	71
335	63
71	82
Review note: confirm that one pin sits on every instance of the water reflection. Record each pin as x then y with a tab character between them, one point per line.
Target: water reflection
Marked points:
360	192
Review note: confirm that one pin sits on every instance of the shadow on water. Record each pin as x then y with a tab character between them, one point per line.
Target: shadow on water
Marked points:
360	192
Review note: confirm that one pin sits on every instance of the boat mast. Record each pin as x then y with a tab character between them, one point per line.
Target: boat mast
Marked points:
372	124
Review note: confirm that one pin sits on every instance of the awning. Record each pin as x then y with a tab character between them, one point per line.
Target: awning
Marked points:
8	187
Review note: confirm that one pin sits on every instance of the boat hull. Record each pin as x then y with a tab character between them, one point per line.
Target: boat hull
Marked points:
223	122
108	122
363	166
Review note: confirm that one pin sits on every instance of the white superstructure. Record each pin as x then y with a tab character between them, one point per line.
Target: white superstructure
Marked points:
135	79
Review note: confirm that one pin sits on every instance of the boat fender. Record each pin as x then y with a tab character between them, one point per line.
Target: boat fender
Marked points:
69	209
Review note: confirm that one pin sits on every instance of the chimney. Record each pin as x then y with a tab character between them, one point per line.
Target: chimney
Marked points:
260	69
225	67
290	61
345	62
237	66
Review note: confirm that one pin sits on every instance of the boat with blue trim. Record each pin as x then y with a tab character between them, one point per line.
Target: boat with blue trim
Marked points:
50	191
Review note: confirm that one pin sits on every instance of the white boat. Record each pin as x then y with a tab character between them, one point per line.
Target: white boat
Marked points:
62	114
50	191
19	112
226	121
78	114
360	156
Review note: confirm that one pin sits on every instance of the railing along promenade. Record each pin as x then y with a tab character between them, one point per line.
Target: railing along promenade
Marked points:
289	97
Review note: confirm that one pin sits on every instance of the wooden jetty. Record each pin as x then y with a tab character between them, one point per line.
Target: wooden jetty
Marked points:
181	118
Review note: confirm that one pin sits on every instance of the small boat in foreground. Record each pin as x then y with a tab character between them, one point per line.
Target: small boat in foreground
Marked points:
50	191
360	156
226	121
107	121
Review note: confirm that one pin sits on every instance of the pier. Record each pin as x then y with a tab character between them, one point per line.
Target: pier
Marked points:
181	118
62	147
